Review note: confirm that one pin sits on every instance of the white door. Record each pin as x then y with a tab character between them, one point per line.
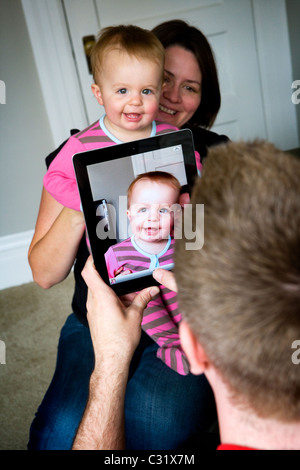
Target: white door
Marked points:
167	159
229	26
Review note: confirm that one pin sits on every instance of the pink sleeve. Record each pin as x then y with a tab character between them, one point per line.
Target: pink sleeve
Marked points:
111	262
198	162
60	179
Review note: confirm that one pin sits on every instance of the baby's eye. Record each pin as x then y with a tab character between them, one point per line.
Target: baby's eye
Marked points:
122	91
142	210
146	91
164	210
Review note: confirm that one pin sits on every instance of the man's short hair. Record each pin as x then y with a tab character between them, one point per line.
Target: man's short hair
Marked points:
241	292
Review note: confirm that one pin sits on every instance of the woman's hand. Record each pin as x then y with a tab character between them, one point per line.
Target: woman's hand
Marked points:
55	241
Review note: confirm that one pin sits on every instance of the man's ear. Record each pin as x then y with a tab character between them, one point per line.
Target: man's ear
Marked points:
97	93
193	350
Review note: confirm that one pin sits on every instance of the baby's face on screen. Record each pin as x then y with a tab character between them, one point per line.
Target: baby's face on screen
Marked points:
151	210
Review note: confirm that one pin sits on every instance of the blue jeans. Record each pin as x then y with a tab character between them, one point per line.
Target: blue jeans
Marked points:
162	408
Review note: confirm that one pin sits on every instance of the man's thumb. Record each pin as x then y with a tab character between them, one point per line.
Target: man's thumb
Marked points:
143	298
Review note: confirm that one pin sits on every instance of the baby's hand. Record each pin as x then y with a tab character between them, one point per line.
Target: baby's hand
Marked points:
121	272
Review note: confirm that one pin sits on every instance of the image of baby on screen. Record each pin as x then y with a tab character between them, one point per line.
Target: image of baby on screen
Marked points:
152	202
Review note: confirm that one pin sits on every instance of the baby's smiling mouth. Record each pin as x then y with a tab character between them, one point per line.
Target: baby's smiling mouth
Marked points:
151	230
133	115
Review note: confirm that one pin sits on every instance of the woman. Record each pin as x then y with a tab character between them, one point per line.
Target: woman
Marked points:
191	95
160	404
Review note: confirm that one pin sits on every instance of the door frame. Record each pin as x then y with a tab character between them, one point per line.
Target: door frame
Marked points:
60	83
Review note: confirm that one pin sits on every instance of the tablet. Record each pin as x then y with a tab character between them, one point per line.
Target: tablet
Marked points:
103	178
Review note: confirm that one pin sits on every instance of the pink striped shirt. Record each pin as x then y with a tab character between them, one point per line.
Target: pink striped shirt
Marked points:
161	317
60	179
60	182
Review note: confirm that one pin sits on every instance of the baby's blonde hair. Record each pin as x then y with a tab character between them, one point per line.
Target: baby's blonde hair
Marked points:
130	39
162	177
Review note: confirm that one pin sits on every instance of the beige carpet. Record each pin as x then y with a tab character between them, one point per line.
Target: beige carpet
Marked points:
30	323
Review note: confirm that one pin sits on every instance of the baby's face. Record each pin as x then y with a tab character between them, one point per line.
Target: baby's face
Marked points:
151	214
129	89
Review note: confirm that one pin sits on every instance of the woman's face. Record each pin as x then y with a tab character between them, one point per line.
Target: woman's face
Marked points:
181	93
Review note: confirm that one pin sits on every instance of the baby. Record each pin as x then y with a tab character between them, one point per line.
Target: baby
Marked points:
152	206
128	67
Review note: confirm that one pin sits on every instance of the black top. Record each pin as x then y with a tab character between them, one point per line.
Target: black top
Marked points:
203	139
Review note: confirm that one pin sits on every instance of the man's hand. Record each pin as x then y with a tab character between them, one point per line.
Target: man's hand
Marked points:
115	332
166	278
115	329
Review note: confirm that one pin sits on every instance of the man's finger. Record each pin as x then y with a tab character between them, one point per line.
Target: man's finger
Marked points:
143	298
166	278
92	278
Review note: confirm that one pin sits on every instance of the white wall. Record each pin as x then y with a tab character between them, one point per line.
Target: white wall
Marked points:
25	140
293	15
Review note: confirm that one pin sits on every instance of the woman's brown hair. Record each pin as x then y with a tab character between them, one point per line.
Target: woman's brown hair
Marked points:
180	33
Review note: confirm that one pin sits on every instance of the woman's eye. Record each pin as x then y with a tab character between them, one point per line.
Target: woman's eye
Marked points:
189	88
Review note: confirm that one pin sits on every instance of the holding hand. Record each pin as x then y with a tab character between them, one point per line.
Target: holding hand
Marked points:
166	278
115	329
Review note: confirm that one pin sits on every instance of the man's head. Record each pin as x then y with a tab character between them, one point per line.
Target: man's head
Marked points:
240	294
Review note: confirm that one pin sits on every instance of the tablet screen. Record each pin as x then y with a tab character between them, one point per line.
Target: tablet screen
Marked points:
132	196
